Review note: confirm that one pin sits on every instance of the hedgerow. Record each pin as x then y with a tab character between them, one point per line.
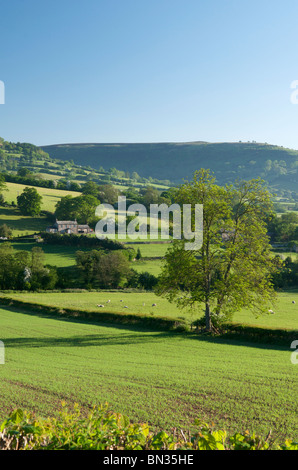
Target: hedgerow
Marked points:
105	430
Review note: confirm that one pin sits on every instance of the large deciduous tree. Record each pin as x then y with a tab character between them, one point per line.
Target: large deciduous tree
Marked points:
234	266
81	208
29	202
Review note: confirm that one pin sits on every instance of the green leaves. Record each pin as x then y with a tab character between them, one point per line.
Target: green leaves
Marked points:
234	267
17	416
29	202
103	430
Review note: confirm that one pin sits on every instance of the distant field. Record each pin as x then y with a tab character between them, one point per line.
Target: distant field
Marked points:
151	266
161	378
151	250
64	256
285	254
285	317
20	224
50	196
55	255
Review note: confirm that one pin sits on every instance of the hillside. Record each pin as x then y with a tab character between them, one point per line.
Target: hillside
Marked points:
175	161
36	167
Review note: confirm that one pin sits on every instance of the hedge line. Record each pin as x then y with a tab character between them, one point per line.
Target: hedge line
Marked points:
160	323
229	331
105	430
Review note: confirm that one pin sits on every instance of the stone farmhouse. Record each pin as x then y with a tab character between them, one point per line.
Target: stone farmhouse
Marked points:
68	226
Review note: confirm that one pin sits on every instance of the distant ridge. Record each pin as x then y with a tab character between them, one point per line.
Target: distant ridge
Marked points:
176	161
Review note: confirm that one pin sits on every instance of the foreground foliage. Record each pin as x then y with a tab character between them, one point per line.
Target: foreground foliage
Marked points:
104	430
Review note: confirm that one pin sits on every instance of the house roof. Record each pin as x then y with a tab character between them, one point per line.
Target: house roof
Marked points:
66	222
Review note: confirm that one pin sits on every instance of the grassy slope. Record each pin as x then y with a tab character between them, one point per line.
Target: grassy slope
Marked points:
22	225
162	378
50	196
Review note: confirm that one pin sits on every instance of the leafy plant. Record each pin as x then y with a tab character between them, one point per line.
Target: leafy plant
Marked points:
102	429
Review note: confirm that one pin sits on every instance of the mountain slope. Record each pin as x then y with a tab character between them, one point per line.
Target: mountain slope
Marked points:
176	161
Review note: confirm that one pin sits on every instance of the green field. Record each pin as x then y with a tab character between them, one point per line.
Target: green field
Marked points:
285	317
21	225
54	255
50	196
65	256
151	266
166	379
150	250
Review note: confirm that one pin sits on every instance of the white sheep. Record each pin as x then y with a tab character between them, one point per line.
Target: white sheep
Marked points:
271	311
100	305
153	305
293	302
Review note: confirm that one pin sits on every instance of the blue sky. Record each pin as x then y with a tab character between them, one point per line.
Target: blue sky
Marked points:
149	71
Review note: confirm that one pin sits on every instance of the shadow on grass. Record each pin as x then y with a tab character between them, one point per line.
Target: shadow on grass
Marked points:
16	221
83	340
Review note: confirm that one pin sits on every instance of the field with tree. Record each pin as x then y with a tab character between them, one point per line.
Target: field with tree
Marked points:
215	324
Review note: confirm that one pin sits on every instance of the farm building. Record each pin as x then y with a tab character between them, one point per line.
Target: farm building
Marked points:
68	226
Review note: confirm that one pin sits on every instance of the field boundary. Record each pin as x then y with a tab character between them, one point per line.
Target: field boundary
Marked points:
160	323
230	331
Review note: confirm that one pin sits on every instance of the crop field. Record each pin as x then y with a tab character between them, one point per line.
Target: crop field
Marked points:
285	317
165	379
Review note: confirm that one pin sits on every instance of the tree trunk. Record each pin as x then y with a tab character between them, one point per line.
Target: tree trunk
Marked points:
208	317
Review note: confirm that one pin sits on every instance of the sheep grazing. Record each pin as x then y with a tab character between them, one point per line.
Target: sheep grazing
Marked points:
108	301
153	305
121	300
99	305
271	311
293	302
125	306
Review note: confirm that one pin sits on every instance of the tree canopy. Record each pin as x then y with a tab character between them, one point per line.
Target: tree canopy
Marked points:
234	267
29	202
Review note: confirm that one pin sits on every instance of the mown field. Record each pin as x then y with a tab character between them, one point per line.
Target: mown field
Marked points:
50	196
166	379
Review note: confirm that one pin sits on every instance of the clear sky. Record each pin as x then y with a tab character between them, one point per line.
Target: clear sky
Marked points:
149	71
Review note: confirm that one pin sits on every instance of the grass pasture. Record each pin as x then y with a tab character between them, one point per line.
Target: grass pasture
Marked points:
151	266
55	255
150	250
50	196
285	317
20	224
166	379
23	225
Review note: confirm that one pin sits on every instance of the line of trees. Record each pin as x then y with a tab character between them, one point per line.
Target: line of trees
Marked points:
95	269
